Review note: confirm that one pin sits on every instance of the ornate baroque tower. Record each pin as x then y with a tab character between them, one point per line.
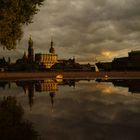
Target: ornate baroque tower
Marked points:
47	60
30	51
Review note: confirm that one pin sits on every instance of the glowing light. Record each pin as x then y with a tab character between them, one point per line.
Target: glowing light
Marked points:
59	78
110	89
107	54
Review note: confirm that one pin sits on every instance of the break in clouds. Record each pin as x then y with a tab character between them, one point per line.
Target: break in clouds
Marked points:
86	29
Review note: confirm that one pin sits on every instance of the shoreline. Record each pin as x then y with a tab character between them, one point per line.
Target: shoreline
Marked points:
69	75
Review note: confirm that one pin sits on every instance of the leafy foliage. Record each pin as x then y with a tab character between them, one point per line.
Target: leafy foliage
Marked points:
13	15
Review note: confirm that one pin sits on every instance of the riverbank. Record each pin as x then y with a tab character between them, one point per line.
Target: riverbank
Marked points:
83	75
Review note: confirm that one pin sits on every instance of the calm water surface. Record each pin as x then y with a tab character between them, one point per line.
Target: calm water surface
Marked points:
79	109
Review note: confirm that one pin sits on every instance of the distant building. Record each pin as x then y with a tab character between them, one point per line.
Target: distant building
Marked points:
66	65
31	61
47	60
3	64
134	55
132	62
71	65
27	61
107	66
120	63
23	60
29	57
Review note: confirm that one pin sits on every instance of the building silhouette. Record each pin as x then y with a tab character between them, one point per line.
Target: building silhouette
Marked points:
129	63
27	62
31	61
30	51
3	64
47	60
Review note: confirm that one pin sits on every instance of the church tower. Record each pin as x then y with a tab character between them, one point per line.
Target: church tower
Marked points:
49	59
30	51
52	50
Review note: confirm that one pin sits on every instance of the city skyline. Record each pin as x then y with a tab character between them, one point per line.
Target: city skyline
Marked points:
84	29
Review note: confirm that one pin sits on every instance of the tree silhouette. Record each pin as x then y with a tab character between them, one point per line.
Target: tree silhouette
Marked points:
12	124
13	15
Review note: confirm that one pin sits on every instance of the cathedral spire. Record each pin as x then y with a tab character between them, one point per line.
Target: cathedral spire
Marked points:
52	50
30	50
51	41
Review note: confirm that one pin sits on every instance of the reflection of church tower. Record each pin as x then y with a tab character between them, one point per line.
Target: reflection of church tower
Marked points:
52	94
30	51
52	50
25	88
31	91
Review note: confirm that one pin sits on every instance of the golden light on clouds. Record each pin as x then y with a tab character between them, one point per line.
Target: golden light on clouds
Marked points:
107	54
106	89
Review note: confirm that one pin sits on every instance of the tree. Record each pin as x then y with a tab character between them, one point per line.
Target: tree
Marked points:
13	15
12	124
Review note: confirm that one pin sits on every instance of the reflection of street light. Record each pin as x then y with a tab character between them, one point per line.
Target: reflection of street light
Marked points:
59	78
52	94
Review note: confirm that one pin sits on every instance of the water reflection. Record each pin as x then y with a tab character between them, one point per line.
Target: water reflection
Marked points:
32	86
133	85
12	124
49	85
4	83
80	109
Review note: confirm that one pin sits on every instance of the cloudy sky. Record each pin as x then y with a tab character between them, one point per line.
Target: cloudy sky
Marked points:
86	29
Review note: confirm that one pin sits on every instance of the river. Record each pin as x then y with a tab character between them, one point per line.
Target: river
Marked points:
79	109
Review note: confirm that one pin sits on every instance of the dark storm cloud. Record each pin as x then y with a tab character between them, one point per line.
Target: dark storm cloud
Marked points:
87	29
